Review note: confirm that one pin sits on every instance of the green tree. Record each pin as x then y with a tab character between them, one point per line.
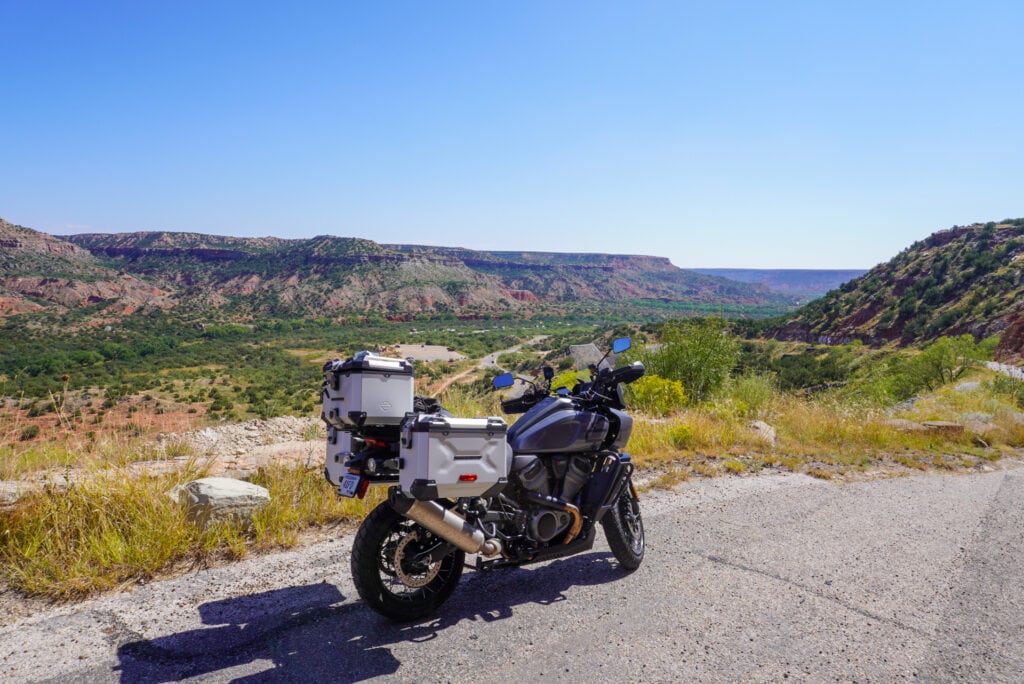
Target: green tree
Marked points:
945	360
698	353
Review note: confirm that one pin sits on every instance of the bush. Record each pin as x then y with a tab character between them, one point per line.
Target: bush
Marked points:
904	375
567	379
945	360
655	395
30	432
752	393
1005	385
680	436
698	353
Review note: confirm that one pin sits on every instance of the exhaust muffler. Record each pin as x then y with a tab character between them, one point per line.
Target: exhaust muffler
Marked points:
446	524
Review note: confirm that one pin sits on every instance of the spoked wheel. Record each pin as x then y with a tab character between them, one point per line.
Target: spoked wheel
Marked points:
624	529
392	573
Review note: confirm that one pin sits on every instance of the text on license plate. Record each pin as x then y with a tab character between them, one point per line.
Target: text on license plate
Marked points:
349	485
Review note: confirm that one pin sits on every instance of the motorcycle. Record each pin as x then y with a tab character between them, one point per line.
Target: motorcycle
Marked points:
529	493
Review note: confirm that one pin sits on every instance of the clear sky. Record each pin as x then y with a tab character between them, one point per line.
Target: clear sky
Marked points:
731	134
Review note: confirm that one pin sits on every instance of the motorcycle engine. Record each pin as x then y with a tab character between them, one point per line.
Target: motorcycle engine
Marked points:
560	476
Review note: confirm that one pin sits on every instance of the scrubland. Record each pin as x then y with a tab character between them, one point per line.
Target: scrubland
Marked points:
96	521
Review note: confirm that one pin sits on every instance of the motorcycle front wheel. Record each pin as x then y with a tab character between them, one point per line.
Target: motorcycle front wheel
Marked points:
387	574
624	529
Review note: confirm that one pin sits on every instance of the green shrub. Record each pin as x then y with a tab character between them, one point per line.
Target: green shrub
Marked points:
945	360
752	393
1005	385
906	374
680	436
698	353
567	379
30	432
655	395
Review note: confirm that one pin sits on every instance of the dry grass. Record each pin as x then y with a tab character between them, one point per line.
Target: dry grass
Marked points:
820	473
113	449
462	401
300	498
101	532
112	528
115	525
669	479
830	435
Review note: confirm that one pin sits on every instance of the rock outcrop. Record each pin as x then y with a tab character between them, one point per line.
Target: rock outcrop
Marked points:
1011	344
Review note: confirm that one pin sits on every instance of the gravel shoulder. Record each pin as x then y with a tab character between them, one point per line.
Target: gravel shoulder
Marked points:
754	579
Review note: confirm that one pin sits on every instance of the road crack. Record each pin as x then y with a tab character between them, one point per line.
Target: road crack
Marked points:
814	591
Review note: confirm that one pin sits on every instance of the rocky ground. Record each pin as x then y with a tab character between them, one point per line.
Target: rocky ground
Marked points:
240	449
236	450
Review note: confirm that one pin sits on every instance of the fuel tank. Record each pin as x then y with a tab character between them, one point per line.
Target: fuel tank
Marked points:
555	425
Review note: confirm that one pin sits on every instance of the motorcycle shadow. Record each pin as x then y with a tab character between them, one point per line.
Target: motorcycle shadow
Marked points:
303	634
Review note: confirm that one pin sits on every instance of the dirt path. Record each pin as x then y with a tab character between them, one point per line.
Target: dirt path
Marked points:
489	361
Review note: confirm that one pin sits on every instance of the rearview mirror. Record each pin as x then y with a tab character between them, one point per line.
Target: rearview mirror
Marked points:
503	380
622	344
549	372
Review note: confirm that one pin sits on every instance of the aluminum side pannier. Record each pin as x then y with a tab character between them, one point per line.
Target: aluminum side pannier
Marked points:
445	457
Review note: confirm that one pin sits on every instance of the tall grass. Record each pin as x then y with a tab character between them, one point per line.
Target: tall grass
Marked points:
115	525
112	528
113	449
828	433
301	499
103	531
465	401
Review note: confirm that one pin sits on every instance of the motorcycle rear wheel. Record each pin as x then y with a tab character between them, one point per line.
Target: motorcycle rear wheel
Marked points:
624	529
385	575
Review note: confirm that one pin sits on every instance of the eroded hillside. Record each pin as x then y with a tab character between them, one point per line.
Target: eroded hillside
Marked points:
967	279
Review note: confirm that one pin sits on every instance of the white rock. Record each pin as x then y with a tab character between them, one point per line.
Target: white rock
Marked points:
765	431
10	492
216	499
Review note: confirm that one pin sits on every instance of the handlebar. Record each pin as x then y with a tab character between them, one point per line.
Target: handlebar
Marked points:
627	374
521	404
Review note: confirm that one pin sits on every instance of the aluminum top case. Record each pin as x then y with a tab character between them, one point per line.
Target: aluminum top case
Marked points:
367	390
445	457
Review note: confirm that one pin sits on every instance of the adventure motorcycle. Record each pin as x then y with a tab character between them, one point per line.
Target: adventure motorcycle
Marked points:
525	494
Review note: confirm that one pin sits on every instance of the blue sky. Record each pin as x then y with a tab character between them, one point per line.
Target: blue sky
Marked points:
729	134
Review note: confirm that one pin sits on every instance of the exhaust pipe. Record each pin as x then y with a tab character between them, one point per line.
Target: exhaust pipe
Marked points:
560	505
445	524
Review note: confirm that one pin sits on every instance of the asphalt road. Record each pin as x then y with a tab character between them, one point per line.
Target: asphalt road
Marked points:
750	579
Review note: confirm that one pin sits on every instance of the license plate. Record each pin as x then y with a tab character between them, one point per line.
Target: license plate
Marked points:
349	485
